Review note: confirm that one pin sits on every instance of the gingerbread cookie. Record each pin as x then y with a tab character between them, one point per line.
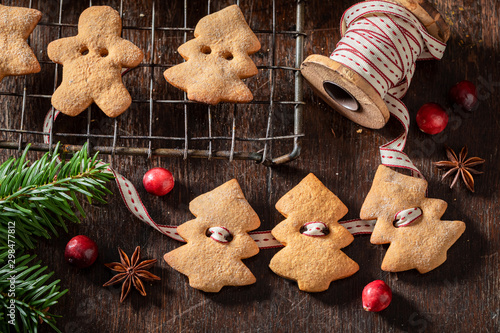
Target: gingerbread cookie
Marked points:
421	244
217	240
312	237
93	62
217	59
16	57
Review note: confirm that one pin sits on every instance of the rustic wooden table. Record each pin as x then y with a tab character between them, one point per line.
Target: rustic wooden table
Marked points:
462	295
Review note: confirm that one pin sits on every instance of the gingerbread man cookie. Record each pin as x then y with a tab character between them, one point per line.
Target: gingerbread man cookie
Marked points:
217	59
217	240
312	237
421	244
93	62
16	57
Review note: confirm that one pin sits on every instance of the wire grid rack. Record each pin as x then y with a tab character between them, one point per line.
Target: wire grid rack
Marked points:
258	148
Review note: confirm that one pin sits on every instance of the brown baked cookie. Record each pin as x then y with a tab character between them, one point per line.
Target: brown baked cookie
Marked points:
93	62
217	59
16	57
423	243
217	240
312	237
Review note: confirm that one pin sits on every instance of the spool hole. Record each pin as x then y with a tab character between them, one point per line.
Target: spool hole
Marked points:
341	96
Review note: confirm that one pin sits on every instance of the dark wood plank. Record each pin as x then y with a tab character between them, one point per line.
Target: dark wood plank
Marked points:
460	296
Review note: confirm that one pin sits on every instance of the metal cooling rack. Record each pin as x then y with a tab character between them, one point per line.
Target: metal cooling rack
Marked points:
262	155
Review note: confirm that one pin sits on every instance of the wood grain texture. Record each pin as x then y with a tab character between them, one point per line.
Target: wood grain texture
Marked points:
462	295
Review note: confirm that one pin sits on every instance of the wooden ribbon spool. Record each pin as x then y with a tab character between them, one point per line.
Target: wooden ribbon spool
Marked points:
348	92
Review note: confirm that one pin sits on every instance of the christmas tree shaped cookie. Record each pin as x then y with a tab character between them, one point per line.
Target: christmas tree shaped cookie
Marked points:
217	59
312	237
421	244
217	240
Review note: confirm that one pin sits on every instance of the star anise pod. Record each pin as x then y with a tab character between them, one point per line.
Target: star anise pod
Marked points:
131	272
461	166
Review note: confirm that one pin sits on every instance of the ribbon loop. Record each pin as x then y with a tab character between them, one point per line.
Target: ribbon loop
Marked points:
220	234
314	229
406	217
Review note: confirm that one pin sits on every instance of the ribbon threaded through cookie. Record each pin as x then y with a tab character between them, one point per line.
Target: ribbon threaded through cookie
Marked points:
220	234
406	217
382	41
315	229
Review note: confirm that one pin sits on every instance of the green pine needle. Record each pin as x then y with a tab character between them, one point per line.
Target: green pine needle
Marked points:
37	197
29	297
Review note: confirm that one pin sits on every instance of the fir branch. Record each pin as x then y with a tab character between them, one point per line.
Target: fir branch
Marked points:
25	295
37	197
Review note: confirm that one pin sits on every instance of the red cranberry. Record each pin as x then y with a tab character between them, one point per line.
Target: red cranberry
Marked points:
81	251
158	181
376	296
431	118
464	94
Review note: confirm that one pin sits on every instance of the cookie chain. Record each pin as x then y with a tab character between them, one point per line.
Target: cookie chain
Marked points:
382	41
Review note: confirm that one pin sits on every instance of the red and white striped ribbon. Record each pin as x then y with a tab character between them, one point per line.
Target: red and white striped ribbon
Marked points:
315	229
381	41
220	234
359	227
406	217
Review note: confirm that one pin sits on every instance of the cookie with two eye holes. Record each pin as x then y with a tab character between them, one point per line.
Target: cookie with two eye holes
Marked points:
217	240
312	237
217	59
92	64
